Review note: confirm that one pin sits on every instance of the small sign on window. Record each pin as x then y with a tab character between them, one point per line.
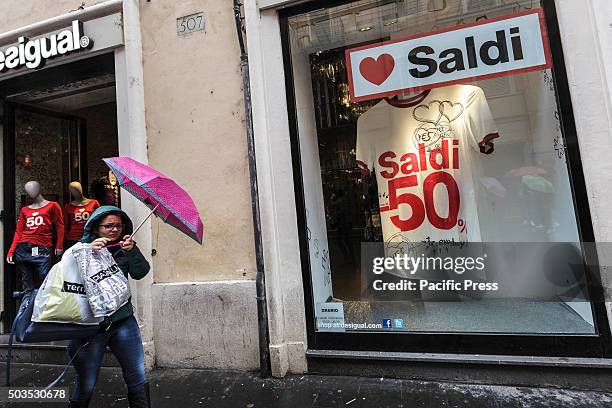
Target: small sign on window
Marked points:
190	24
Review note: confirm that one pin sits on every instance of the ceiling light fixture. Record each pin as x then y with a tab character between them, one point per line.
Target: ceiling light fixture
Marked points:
363	20
391	18
436	5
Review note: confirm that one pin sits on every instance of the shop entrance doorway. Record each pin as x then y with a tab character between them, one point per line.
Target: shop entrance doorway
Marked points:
58	125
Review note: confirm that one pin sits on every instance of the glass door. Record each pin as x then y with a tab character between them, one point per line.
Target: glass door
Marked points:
39	145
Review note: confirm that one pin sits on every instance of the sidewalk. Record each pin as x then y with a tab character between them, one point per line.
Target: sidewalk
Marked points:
183	388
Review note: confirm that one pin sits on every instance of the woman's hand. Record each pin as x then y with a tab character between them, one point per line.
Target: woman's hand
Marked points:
99	243
127	244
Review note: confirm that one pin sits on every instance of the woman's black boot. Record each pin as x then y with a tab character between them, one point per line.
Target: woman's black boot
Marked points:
79	404
139	397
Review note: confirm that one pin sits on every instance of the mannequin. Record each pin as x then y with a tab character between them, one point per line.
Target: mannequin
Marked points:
105	189
76	213
39	224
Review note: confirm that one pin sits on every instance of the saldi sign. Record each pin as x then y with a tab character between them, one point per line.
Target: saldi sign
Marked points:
496	47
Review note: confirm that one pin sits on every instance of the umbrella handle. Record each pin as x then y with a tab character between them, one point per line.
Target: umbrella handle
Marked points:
143	221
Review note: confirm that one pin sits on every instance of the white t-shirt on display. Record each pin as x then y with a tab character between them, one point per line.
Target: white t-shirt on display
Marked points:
426	154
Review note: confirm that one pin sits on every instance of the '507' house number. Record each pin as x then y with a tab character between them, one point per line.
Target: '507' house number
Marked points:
190	24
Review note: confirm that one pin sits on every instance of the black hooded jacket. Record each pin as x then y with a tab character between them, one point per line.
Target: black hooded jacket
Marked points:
132	263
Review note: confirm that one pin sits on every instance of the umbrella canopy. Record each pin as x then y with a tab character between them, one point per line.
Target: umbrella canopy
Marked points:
538	183
524	171
160	193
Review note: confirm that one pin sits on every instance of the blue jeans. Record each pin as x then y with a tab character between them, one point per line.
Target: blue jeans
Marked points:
123	338
28	265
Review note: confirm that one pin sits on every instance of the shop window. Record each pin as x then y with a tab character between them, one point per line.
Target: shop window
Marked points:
452	167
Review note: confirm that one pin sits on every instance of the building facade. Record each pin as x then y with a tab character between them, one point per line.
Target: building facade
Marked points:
135	93
506	104
310	45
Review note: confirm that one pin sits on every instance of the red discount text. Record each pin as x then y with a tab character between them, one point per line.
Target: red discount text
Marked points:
421	203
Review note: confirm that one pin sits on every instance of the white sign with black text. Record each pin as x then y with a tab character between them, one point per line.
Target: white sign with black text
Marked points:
496	47
330	316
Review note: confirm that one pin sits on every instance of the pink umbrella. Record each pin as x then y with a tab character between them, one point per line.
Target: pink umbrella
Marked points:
160	193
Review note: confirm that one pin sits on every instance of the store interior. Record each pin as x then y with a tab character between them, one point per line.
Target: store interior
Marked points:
62	132
64	121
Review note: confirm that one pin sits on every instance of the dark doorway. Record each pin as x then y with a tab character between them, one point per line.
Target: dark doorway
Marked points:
58	125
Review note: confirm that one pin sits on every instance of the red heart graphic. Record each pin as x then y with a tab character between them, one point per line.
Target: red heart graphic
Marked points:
377	70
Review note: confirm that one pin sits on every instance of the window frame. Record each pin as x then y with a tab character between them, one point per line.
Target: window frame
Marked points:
595	345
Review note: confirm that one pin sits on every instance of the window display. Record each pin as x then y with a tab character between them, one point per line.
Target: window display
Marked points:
432	145
437	194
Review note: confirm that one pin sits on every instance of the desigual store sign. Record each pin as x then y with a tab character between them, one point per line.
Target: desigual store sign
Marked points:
34	53
25	52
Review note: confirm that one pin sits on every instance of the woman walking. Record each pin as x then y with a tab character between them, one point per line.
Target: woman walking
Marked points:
108	226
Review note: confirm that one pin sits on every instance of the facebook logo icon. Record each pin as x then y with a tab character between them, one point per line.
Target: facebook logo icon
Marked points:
398	323
386	323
